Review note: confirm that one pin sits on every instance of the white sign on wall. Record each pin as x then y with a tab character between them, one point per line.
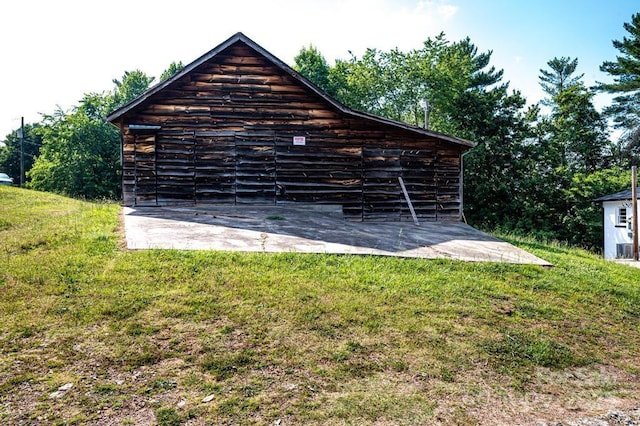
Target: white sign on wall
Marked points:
299	140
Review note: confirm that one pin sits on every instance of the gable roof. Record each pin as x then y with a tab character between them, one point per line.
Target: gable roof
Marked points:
241	38
619	196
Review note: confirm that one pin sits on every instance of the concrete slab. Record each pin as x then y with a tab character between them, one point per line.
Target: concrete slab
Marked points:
628	262
306	230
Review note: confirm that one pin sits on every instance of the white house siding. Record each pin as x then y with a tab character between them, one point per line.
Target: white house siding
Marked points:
614	235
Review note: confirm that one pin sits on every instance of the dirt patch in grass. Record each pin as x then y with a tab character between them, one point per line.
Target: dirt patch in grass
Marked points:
550	396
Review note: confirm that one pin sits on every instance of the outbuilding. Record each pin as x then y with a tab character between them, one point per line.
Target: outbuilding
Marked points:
618	235
239	126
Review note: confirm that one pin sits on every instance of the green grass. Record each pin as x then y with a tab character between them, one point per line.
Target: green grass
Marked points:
144	336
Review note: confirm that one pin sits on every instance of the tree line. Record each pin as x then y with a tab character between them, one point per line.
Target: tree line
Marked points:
535	169
77	152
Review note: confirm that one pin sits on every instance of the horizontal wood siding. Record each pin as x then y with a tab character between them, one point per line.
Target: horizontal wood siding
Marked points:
226	136
215	164
382	196
418	172
320	172
255	168
448	185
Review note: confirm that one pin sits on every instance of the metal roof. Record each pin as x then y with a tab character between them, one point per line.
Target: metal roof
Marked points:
618	196
241	38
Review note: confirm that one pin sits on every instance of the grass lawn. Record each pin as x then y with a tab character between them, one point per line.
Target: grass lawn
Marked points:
144	337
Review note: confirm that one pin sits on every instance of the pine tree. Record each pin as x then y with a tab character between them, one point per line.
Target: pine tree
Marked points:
626	83
560	77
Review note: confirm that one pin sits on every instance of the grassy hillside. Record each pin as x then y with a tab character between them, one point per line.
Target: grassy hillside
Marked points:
145	336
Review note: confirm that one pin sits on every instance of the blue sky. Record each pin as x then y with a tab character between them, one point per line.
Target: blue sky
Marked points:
524	35
54	51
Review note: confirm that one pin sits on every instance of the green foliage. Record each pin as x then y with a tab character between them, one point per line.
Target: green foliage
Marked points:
10	153
392	84
310	63
626	75
551	156
578	130
132	84
174	68
582	223
497	171
560	77
524	178
80	153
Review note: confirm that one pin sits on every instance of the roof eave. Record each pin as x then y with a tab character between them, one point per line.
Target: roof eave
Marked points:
618	196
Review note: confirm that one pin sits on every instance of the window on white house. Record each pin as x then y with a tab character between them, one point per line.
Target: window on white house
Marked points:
621	217
624	251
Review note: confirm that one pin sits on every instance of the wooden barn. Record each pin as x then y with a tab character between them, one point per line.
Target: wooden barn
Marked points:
239	126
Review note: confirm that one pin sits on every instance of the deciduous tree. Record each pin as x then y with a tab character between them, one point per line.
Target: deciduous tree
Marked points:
310	63
80	153
174	68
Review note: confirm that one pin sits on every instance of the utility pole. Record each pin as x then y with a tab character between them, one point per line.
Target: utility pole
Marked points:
426	117
21	151
634	209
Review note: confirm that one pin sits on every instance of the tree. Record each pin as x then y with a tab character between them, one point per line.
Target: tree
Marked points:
560	77
310	63
579	129
133	84
10	153
392	84
80	152
625	71
576	133
563	147
467	99
79	156
174	68
582	222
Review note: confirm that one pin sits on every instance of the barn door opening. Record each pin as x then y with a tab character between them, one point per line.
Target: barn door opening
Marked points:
145	172
255	168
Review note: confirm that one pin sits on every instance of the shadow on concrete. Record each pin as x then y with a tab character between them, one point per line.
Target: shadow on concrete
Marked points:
307	230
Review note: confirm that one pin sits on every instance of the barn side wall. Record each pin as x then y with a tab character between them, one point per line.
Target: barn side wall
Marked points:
227	134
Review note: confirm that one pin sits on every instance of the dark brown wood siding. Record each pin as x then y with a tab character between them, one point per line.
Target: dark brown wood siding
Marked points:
226	136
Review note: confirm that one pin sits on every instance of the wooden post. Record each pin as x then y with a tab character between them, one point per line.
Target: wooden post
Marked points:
406	197
634	214
21	152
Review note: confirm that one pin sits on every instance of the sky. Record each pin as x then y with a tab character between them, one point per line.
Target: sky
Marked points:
53	52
